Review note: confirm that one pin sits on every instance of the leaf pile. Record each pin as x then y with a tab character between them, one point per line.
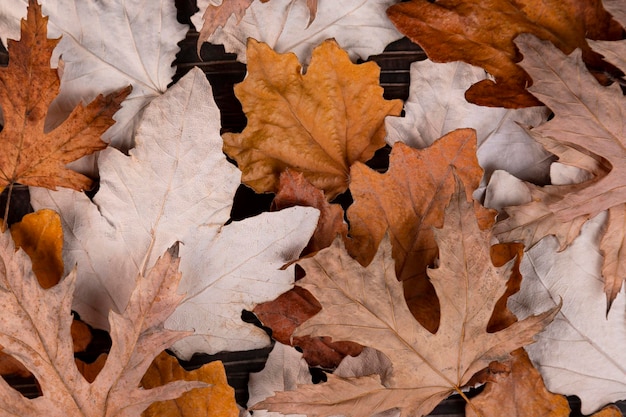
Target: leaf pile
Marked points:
396	281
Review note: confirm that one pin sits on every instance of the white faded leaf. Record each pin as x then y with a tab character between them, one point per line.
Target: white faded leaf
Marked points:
582	352
177	185
437	106
35	329
107	45
361	27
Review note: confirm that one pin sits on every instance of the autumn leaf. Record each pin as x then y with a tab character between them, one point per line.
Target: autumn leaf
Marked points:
107	46
458	30
596	145
35	329
360	27
580	353
406	202
436	106
284	132
427	367
177	185
215	16
29	154
216	400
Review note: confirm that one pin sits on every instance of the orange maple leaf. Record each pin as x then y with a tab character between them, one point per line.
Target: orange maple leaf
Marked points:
28	154
481	33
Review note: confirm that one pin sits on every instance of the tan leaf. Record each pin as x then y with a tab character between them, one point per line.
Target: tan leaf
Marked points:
366	305
319	123
596	145
28	154
35	329
407	202
460	30
216	400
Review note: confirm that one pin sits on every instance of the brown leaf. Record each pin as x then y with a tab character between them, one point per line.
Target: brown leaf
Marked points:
518	393
482	33
596	145
407	202
35	329
366	305
28	154
216	400
319	123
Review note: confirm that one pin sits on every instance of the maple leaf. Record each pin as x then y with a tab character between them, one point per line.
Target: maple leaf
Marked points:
106	46
580	353
436	106
427	367
459	30
35	329
406	202
359	26
29	154
177	185
319	123
215	16
215	400
596	145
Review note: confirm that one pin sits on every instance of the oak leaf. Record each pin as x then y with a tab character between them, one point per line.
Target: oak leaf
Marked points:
580	353
436	106
319	123
177	185
366	305
106	46
35	329
596	145
29	154
459	30
216	400
359	26
406	202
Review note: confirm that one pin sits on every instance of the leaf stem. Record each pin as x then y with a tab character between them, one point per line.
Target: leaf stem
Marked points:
467	400
6	208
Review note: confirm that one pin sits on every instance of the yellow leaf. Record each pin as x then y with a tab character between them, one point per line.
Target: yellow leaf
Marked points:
217	400
318	123
40	235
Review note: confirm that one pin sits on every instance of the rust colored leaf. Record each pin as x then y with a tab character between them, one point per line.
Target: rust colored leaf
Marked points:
482	33
284	314
40	235
28	154
318	123
366	305
407	202
216	400
517	393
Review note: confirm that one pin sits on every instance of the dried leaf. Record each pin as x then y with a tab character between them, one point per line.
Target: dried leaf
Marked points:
216	400
436	106
177	185
35	329
366	305
407	202
319	123
106	46
518	393
580	353
460	30
359	26
40	235
563	83
29	154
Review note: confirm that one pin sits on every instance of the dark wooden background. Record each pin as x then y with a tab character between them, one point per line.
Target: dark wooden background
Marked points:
223	71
